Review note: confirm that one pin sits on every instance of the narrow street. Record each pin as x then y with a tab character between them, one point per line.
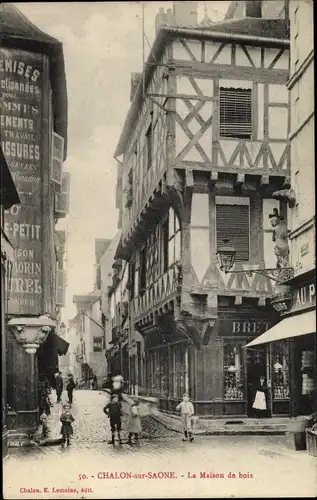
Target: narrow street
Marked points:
263	461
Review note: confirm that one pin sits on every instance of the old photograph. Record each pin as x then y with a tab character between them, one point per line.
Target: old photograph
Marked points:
158	258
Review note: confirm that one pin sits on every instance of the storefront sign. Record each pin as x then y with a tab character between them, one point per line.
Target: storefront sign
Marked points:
242	328
304	297
21	79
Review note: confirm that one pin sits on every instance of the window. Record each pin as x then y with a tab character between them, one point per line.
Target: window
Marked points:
233	223
233	372
280	377
174	238
148	140
97	344
235	112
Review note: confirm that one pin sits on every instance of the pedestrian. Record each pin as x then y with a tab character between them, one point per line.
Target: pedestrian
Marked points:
43	389
187	411
67	429
59	386
70	388
95	382
260	404
134	422
91	383
43	419
114	412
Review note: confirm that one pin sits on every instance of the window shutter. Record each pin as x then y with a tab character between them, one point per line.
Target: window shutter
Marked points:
60	287
235	112
233	224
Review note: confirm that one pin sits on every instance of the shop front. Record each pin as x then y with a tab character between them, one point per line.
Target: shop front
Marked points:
291	345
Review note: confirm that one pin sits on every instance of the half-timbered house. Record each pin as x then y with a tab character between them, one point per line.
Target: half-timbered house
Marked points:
204	146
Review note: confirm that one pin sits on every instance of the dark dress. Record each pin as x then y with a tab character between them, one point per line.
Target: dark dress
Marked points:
59	387
70	388
113	410
67	429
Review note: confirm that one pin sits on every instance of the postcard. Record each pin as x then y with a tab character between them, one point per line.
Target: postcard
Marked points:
158	250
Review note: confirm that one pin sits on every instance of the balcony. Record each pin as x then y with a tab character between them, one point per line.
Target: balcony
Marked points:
157	295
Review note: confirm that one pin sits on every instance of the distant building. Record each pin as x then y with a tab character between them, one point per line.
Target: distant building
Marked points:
86	335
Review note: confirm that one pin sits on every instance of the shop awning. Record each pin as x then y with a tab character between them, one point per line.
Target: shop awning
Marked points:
292	326
60	344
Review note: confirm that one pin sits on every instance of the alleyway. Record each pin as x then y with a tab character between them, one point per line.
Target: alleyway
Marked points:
275	470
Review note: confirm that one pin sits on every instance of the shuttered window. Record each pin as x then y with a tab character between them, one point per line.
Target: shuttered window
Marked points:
235	113
233	224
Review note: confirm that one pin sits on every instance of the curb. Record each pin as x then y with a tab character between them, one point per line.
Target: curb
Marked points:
223	432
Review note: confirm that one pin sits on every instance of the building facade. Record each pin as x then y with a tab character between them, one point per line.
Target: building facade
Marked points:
293	340
87	339
33	139
9	198
204	147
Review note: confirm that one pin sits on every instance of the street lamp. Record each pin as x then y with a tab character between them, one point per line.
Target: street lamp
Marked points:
226	258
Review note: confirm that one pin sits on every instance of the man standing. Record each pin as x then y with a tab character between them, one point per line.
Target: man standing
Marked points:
59	386
70	388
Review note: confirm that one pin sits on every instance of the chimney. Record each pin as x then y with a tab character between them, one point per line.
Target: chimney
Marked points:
253	8
185	14
135	79
163	19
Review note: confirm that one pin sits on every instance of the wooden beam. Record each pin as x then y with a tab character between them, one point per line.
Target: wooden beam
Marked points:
265	180
262	301
195	97
240	179
189	178
213	176
238	300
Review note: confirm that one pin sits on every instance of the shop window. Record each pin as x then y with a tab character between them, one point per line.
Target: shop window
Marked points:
178	372
10	382
233	372
233	223
280	375
235	113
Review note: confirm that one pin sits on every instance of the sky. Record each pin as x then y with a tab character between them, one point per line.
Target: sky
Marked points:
102	45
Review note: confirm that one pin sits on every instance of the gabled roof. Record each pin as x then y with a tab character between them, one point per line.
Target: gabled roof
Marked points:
16	31
271	32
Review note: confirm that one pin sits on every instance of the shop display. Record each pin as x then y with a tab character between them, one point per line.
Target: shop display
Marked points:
308	371
233	377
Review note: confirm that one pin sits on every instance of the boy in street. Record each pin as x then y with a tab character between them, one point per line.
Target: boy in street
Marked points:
187	411
114	413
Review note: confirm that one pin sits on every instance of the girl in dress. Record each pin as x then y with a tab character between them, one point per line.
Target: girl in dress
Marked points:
134	422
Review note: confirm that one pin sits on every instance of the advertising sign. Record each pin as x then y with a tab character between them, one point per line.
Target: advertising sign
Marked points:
21	94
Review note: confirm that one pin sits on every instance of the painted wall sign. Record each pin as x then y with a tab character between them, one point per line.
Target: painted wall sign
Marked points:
241	328
21	80
304	297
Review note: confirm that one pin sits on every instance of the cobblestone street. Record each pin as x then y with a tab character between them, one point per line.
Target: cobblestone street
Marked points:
269	468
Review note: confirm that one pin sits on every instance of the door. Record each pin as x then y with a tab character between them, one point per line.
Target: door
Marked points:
256	368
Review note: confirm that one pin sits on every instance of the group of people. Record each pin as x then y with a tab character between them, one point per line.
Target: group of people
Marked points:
114	387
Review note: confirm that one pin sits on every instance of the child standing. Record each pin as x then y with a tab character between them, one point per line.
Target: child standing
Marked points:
43	419
134	422
67	429
114	413
187	411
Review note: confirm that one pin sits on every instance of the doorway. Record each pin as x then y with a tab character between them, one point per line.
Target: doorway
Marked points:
256	368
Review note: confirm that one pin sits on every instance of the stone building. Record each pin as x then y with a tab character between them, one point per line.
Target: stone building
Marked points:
33	140
204	146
